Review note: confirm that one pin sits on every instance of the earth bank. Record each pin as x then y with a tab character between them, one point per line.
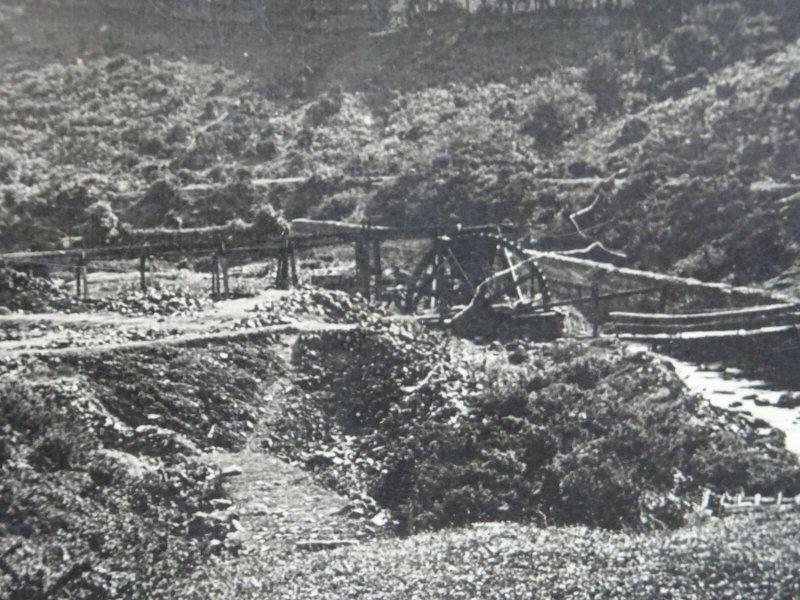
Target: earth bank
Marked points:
109	476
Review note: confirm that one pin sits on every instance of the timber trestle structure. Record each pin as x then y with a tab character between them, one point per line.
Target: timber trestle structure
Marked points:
447	276
463	273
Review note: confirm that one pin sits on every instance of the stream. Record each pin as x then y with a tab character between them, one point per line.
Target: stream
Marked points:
730	389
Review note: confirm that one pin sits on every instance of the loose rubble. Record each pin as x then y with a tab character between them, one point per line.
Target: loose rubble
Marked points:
154	301
22	291
324	305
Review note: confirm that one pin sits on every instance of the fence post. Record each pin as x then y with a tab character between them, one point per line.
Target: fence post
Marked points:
663	298
282	276
223	259
84	274
143	269
78	278
279	268
595	295
293	265
215	276
362	264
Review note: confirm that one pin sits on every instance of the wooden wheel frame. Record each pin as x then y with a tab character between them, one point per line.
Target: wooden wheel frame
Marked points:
450	272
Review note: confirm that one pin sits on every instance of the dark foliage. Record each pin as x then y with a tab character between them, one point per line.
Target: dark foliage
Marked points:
574	434
102	492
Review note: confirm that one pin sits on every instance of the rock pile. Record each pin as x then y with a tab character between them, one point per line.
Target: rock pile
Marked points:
155	301
20	290
325	305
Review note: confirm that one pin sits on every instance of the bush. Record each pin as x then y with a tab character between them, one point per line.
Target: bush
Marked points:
575	434
268	220
691	47
326	106
547	124
602	82
102	225
95	500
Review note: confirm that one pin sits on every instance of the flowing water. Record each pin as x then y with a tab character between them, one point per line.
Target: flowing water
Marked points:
729	389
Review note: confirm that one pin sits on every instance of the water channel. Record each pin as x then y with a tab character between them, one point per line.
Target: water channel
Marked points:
729	388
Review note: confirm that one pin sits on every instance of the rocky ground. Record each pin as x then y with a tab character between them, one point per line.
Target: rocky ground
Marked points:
278	463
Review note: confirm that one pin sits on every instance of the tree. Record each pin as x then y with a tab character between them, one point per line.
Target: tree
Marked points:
102	223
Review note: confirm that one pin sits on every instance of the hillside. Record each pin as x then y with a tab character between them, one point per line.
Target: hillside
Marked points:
475	120
214	466
281	440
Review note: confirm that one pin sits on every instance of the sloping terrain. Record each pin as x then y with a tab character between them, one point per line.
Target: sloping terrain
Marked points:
723	155
496	561
702	118
126	471
103	490
189	451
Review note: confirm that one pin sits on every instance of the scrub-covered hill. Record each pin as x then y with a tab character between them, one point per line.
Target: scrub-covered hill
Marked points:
691	121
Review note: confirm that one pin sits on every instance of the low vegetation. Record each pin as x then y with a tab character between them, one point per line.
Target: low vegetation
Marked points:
565	470
699	113
104	492
569	433
737	557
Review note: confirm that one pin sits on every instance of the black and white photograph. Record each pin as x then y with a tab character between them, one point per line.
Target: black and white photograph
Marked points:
399	299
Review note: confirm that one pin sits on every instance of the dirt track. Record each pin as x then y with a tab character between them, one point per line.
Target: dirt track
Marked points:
103	331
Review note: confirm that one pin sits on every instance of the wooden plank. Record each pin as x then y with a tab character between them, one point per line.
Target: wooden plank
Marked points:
555	265
513	273
701	317
709	335
716	325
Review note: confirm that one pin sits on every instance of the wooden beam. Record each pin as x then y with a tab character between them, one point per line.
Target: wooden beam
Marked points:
377	268
702	317
513	274
293	265
143	270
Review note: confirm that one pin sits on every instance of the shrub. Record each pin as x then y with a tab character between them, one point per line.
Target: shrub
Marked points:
602	82
102	224
547	124
691	47
575	434
328	105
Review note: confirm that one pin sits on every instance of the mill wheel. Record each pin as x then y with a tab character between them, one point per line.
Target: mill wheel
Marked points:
450	272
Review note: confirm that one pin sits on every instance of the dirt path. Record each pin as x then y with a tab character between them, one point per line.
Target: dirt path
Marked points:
278	503
280	506
46	334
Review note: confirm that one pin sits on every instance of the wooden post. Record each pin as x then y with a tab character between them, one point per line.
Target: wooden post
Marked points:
362	266
78	278
215	276
282	276
514	279
663	298
143	269
84	270
440	279
377	268
595	294
293	265
279	268
223	259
